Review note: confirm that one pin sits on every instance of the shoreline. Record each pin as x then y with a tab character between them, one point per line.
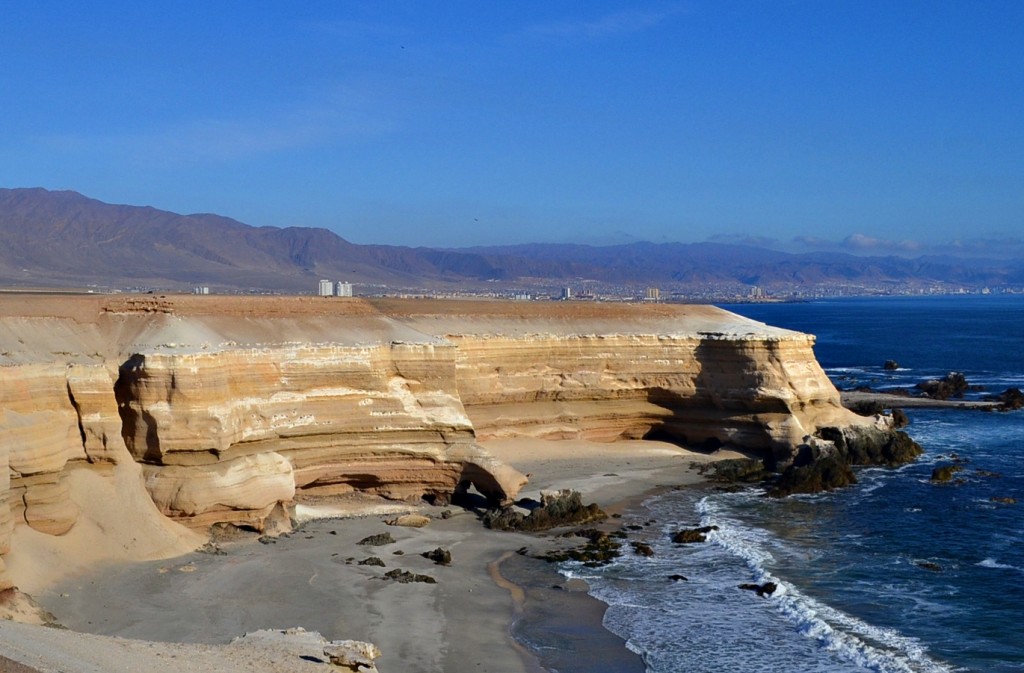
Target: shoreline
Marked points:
312	578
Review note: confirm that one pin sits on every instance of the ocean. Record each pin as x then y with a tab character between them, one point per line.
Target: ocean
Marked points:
895	574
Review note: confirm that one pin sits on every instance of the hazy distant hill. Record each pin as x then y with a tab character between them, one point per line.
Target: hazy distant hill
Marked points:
64	238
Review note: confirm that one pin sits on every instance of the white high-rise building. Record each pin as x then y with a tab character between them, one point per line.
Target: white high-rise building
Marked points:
326	288
344	289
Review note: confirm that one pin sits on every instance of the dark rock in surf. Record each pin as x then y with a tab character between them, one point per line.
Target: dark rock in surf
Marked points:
943	474
823	474
600	549
1011	399
953	384
766	589
693	535
643	549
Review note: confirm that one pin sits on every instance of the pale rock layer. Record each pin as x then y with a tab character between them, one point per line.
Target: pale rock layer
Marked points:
227	410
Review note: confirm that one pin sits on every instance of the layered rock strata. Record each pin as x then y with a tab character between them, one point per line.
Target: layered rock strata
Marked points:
227	435
231	408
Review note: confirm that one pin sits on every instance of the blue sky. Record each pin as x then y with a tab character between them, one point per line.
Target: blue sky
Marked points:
856	125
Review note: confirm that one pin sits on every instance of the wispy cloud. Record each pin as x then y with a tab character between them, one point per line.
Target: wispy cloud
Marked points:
997	247
860	242
625	22
746	239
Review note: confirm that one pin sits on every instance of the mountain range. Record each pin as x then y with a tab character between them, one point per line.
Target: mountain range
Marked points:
65	239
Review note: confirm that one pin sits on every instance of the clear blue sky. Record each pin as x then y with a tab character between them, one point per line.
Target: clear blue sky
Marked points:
479	122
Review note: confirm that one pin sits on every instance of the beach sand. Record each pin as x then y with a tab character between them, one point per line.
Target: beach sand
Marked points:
181	613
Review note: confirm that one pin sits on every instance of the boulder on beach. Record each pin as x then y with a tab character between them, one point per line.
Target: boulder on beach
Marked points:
441	557
378	540
563	508
410	521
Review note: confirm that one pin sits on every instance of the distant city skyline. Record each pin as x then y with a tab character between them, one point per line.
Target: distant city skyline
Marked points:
862	126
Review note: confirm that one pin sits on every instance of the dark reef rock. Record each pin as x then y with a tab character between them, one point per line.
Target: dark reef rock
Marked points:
441	557
600	549
736	470
899	419
678	578
865	445
372	561
564	508
1011	399
1003	500
929	566
693	535
826	462
891	365
943	474
953	384
766	589
821	475
643	549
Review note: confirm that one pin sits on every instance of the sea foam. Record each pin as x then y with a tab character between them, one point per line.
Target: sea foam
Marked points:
875	648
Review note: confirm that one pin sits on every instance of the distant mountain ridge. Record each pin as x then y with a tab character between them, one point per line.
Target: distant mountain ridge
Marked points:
62	238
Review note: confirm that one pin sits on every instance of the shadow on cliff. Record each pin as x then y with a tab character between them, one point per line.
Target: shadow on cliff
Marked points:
136	423
722	410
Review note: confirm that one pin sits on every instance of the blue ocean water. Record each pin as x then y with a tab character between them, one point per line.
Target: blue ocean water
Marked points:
895	574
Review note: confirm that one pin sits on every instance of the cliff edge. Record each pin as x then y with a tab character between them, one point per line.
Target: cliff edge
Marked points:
138	420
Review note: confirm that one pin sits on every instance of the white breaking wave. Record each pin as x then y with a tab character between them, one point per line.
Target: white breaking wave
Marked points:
836	631
994	564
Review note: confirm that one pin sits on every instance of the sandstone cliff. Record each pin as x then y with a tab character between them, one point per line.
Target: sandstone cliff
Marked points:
227	410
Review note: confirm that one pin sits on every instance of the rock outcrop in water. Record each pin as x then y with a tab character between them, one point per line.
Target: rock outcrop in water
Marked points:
226	410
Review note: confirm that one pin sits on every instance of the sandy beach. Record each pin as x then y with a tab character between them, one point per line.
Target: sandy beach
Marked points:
155	615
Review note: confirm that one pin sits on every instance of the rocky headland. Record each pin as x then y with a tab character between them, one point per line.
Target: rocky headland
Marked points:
133	425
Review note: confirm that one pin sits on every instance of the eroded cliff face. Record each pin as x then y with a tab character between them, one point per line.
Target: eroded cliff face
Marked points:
763	392
227	435
226	410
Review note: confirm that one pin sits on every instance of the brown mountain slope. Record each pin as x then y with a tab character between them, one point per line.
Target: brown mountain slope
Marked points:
56	238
